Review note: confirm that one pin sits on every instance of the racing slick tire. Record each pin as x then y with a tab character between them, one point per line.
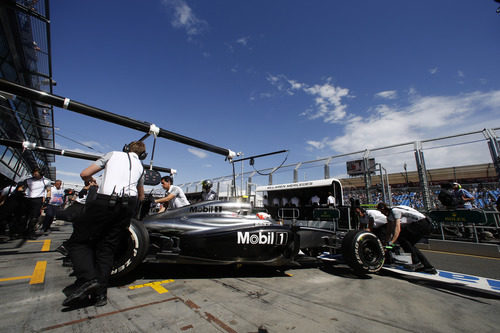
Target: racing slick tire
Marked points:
363	251
132	249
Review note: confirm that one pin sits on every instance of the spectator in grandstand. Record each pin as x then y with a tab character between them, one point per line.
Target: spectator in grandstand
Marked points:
56	202
498	204
465	199
330	200
174	195
407	226
207	193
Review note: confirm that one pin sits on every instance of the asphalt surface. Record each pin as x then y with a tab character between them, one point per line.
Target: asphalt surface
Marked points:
175	298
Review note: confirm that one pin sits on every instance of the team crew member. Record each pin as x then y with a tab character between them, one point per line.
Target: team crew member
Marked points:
36	193
56	202
330	200
174	196
97	232
408	226
370	219
207	194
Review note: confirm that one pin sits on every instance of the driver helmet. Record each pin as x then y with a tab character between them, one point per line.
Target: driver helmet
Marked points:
206	184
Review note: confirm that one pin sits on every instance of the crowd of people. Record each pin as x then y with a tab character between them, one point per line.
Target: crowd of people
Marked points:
485	196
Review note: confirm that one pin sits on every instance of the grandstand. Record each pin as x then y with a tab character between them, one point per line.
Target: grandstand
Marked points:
481	180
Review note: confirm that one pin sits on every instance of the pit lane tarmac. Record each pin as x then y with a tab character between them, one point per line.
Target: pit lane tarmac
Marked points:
182	298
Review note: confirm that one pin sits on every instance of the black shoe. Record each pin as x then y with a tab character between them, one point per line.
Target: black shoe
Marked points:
68	290
67	262
414	267
429	270
62	250
100	300
81	293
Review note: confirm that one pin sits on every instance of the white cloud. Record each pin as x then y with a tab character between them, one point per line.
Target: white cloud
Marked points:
317	144
460	73
388	94
197	153
433	70
425	117
243	41
184	18
68	173
327	98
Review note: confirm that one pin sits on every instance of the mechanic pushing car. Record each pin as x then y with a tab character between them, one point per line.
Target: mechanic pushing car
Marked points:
407	227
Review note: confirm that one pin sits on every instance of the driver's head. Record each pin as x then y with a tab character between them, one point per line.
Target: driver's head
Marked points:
206	185
166	182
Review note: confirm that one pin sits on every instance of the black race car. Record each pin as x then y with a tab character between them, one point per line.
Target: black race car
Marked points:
231	232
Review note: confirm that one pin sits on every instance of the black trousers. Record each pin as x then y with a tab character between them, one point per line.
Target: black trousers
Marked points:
95	237
34	206
410	234
50	213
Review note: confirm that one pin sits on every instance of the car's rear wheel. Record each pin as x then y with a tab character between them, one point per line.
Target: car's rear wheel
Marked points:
132	249
363	251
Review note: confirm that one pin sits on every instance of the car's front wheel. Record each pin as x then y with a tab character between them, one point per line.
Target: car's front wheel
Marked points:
363	251
132	249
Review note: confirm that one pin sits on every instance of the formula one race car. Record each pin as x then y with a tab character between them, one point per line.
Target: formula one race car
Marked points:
230	232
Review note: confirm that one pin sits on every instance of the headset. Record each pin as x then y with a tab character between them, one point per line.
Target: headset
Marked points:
126	149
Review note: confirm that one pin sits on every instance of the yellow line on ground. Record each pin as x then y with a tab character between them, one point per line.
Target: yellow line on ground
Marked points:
461	254
15	278
46	245
39	272
157	286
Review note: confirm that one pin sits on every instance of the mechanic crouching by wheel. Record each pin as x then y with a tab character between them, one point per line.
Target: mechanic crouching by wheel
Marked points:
97	232
407	227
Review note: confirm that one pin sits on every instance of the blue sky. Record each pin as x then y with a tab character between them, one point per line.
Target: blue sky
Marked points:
316	77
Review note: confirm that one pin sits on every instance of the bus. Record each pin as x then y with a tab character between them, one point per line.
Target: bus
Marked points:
305	203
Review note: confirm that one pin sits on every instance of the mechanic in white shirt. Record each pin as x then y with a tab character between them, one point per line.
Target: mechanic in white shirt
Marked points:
330	200
98	231
407	226
175	195
315	200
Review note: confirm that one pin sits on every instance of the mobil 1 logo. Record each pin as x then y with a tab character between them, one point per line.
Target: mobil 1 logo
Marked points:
262	238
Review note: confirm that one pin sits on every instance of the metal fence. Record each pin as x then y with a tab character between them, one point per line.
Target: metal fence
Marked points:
407	173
